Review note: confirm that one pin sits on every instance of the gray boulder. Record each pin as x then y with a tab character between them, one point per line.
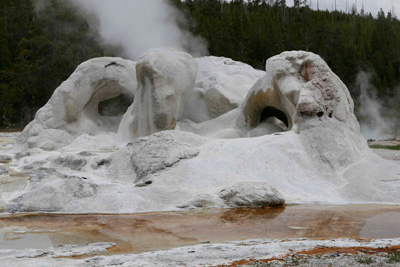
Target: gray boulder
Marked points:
159	151
71	162
53	197
5	159
3	171
248	194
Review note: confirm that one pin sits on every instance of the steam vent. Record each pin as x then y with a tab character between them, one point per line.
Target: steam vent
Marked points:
171	132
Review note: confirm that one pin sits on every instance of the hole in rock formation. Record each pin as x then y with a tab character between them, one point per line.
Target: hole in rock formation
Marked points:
107	105
116	106
143	184
271	112
265	112
91	101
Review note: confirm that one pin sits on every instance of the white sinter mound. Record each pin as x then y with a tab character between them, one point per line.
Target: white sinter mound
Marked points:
293	138
221	85
73	108
165	81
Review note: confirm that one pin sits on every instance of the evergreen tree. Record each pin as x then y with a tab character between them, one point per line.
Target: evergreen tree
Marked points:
39	49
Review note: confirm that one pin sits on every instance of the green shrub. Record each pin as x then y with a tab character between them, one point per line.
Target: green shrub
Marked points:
365	259
397	147
393	257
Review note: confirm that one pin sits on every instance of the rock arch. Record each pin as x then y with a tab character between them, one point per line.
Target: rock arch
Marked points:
272	112
73	107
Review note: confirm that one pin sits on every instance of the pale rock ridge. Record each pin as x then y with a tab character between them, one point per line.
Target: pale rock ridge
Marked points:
165	80
298	93
302	91
221	85
164	96
307	147
301	86
73	107
53	196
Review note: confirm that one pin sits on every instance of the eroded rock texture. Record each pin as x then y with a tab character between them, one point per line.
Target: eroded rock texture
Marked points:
73	107
221	85
54	196
301	93
307	146
159	151
298	86
165	80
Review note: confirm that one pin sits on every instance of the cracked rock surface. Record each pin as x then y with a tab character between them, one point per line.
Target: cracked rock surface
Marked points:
155	153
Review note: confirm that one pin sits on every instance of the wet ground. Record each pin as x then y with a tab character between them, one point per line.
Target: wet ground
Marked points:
154	231
134	233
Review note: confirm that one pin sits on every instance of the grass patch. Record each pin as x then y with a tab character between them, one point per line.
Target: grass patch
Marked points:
11	130
396	147
295	261
393	257
365	259
261	264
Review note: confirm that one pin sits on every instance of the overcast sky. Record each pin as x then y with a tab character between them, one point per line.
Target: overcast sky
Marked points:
372	6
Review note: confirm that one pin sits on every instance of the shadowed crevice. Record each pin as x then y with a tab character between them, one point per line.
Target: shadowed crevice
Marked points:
274	112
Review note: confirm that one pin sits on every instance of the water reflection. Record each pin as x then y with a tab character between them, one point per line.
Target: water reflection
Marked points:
154	231
386	225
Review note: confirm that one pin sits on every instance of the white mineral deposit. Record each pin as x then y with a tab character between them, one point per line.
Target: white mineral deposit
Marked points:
199	133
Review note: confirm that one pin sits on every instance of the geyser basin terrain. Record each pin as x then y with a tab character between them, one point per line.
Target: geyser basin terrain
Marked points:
134	233
289	134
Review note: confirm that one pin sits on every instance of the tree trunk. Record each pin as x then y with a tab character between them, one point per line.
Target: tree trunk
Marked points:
6	121
28	112
5	19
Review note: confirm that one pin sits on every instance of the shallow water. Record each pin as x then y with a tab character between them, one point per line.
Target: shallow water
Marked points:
154	231
134	233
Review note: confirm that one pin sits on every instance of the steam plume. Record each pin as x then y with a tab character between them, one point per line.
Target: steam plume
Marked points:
373	124
139	25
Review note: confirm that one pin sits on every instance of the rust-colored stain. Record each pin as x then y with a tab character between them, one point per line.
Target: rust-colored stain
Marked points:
351	250
321	251
306	69
173	124
134	233
257	101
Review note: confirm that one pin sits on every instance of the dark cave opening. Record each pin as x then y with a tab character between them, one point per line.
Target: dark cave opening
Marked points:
116	106
269	112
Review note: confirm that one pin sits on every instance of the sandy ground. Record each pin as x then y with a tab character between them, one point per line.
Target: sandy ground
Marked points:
226	254
390	141
289	252
331	257
387	153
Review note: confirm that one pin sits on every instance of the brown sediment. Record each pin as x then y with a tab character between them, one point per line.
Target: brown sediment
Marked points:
76	257
7	140
81	256
11	130
13	178
321	251
238	263
342	250
256	102
135	233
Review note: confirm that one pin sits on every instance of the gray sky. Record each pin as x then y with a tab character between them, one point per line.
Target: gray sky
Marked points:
372	6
